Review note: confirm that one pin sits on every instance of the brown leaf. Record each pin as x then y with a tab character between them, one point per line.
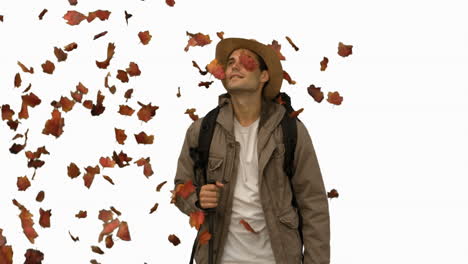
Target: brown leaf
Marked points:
315	93
3	239
146	112
67	104
121	158
110	53
334	98
73	238
198	67
220	35
42	14
26	222
70	47
106	162
122	76
117	212
73	2
74	17
127	16
44	219
120	135
40	196
170	2
324	64
88	177
292	43
133	69
107	178
277	48
48	67
147	170
25	69
174	239
206	84
73	170
98	108
128	94
60	54
332	194
126	110
33	256
158	188
288	78
96	249
145	37
54	126
23	183
109	241
178	92
108	228
101	14
123	232
81	214
105	215
155	206
191	113
143	138
7	113
197	39
344	50
28	100
99	35
17	80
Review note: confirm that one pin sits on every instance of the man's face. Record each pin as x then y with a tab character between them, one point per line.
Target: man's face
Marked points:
239	79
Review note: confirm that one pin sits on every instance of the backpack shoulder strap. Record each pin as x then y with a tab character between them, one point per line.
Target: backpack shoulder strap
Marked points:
204	139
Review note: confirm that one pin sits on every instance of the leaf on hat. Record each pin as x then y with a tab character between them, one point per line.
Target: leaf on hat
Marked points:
145	37
206	84
110	53
277	48
248	62
196	219
334	98
344	50
216	69
120	135
315	92
48	67
170	2
101	14
54	126
191	113
324	64
174	239
288	78
74	17
197	39
292	43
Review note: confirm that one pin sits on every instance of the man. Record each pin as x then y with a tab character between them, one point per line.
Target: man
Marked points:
246	160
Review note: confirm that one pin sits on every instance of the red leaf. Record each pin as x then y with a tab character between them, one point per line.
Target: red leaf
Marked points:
105	215
123	232
28	100
174	239
7	113
101	14
185	189
204	237
144	36
26	222
108	228
170	2
88	177
73	17
48	67
54	126
248	62
196	219
133	69
216	69
197	39
344	50
44	219
107	162
334	98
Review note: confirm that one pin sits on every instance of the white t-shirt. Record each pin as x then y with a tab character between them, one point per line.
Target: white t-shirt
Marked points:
243	246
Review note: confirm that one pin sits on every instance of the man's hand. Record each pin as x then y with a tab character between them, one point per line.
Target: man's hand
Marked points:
209	195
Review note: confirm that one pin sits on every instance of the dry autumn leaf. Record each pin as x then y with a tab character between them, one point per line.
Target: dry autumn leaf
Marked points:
60	54
30	100
33	256
145	37
97	250
23	183
158	188
146	112
26	222
106	162
174	239
105	215
154	208
126	110
7	112
109	241
122	76
143	138
147	169
198	67
216	69
220	35
54	126
40	196
70	47
170	2
121	158
128	94
115	211
185	189
294	114
292	43
334	98
108	228
74	17
191	113
206	84
25	69
98	108
99	35
248	62
81	214
288	78
120	135
204	237
73	171
127	16
88	177
17	81
73	2
44	219
107	178
324	64
197	39
344	50
196	219
316	93
332	193
277	48
73	238
133	70
123	232
110	53
48	67
101	14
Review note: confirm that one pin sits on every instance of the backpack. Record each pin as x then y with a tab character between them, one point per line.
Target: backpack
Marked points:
201	153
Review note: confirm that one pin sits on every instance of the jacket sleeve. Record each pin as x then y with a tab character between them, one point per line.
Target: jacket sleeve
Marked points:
312	200
185	173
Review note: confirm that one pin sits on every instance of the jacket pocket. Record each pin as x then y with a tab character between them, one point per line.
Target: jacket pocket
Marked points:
289	233
214	170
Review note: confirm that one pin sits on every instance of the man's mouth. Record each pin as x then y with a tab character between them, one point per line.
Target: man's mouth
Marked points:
238	76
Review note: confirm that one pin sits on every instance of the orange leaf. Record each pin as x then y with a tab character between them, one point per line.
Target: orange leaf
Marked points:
204	237
101	14
216	69
120	135
110	53
44	219
126	110
323	64
23	183
146	112
197	39
89	175
196	219
26	222
192	114
185	189
277	48
6	252
133	69
145	37
28	100
174	239
108	228
73	170
344	50
54	126
74	18
334	98
315	93
142	138
247	226
123	232
107	162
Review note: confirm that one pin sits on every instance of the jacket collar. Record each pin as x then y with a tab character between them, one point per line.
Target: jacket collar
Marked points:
270	116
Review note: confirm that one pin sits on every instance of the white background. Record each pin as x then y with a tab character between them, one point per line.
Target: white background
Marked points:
396	149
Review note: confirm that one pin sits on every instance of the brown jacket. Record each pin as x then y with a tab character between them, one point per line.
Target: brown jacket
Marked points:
274	190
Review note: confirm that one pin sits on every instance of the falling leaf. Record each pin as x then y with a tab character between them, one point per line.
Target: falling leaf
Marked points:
1	18
158	188
332	194
292	43
197	39
30	100
174	239
196	219
54	126
48	67
107	162
7	113
33	256
73	238
60	54
178	92
288	78
294	114
127	16
344	50
146	112
88	177
98	108
334	98
108	228
121	158
247	226
67	104
81	214
115	211
248	62
25	69
97	250
145	37
109	241
155	206
107	178
126	110
170	2
105	215
106	84
110	53
123	232
122	76
128	94
198	67
73	170
185	189
315	93
324	64
216	69
73	2
40	196
206	84
70	47
74	18
23	183
120	135
101	14
44	219
277	48
13	124
204	237
147	170
133	69
191	113
17	80
26	222
220	35
99	35
143	138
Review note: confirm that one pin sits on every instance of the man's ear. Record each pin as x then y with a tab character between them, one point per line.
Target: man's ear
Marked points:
264	76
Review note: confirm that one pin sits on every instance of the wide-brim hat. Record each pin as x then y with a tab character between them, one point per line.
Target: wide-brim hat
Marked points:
275	71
